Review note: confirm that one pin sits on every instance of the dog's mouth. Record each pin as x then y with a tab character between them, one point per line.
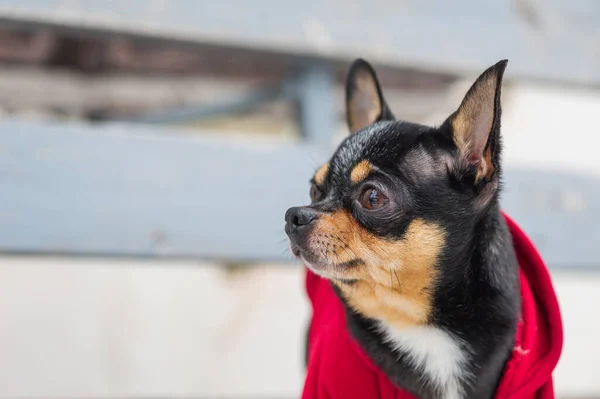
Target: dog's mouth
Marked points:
308	258
295	249
324	267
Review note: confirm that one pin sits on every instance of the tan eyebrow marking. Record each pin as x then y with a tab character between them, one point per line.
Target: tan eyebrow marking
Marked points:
361	171
321	174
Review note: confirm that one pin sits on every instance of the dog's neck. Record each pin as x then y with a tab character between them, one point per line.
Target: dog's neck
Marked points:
461	351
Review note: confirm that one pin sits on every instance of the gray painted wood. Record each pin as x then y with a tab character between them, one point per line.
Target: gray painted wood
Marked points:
554	39
108	191
132	191
559	211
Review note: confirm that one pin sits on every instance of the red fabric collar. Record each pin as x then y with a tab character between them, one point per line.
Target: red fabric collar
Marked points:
339	369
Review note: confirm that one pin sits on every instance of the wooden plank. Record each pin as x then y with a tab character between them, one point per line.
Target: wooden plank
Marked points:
131	191
551	40
97	191
559	211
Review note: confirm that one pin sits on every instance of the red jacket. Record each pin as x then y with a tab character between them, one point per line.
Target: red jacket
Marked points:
339	369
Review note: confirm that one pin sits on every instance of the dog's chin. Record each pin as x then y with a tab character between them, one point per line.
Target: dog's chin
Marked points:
320	267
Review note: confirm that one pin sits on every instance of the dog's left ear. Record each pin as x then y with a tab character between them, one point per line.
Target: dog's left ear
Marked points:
365	104
476	124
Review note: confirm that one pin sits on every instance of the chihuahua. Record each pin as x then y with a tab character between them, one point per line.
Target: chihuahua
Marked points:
405	223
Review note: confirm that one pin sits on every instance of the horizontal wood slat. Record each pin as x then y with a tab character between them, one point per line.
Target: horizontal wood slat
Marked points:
135	191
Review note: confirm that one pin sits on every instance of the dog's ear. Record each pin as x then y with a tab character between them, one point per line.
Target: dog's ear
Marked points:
364	100
476	124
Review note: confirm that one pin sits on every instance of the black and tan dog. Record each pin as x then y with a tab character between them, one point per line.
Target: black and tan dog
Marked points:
405	223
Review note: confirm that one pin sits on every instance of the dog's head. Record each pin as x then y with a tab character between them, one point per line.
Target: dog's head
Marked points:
398	201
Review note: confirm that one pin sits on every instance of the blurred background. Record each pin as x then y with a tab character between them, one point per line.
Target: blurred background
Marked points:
149	150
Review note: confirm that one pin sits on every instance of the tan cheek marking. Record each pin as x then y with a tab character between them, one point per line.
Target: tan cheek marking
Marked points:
361	171
395	285
382	303
321	174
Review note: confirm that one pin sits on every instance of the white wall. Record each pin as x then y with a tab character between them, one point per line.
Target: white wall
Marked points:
91	328
83	328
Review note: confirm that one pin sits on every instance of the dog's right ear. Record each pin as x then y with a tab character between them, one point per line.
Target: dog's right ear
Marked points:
365	104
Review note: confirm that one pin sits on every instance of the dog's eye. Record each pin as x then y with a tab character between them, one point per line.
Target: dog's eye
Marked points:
372	199
315	193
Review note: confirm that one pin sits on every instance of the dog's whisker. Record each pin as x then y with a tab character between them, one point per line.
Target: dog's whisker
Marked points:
313	161
346	246
397	279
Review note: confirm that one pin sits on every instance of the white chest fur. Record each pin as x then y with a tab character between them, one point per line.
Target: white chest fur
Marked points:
435	353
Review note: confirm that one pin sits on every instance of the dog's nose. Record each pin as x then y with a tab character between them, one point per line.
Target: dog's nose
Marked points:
298	217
